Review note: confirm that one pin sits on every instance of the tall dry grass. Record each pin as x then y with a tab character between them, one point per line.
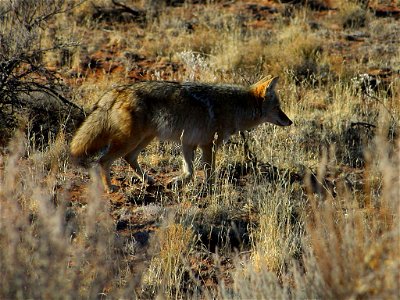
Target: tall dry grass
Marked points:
51	247
348	244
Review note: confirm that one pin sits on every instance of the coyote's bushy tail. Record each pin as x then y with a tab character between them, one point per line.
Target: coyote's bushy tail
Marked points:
92	136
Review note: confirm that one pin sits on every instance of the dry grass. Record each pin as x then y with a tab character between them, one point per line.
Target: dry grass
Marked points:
352	14
348	249
315	215
168	271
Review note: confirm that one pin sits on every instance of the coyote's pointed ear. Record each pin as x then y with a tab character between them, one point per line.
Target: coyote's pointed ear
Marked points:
272	85
264	86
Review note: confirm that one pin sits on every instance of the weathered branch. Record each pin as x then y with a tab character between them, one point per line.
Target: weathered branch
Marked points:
128	9
57	95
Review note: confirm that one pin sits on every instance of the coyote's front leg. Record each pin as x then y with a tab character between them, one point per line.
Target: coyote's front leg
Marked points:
188	156
208	158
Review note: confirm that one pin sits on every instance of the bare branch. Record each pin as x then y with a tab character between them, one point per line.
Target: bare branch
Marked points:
38	20
126	8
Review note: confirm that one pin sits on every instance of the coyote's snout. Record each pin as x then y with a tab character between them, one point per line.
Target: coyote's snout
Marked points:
126	119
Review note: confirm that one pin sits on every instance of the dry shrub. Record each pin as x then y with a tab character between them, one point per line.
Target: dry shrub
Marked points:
30	86
220	42
227	50
352	14
349	244
168	273
178	35
235	52
49	247
355	251
275	237
296	52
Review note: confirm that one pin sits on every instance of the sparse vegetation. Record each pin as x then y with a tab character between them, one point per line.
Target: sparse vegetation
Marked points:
27	83
309	211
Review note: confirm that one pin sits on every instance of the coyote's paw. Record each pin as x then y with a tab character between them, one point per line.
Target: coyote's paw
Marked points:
145	179
178	182
175	184
149	180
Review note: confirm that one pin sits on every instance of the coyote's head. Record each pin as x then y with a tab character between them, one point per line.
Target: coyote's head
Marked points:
270	106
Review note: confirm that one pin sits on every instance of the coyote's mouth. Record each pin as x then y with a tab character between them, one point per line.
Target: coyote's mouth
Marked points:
285	123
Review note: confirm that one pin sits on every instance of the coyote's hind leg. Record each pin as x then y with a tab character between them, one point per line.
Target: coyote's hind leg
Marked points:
132	156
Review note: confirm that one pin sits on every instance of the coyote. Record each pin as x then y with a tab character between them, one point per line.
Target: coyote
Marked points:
127	118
